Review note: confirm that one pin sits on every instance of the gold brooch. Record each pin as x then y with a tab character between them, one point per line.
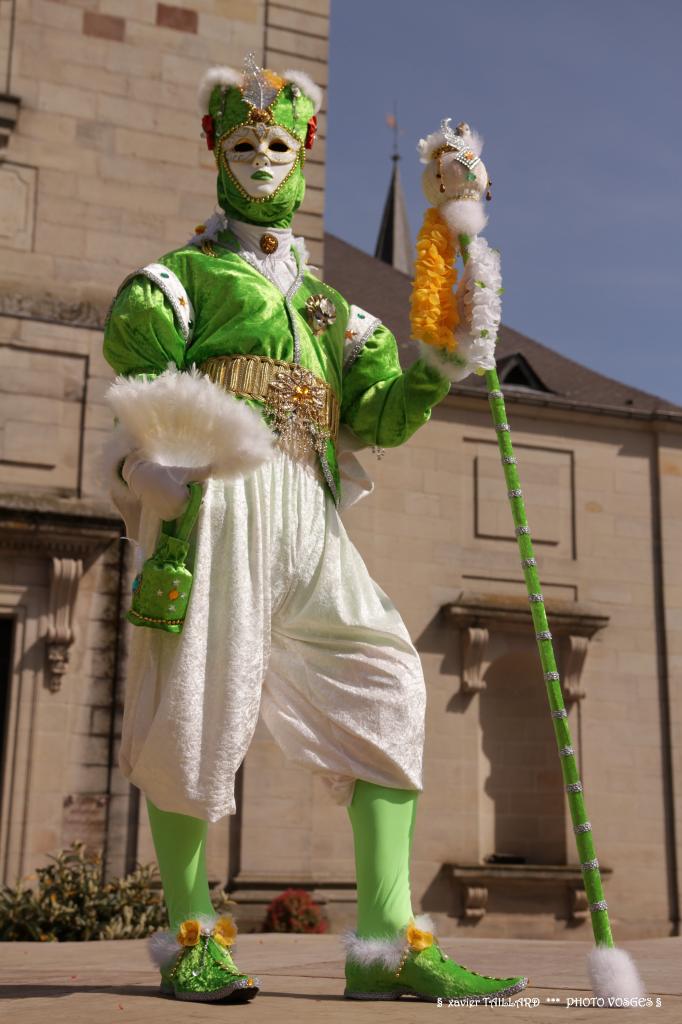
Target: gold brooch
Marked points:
269	243
321	313
296	403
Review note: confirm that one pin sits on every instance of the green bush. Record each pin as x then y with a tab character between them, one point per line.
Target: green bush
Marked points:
71	902
295	911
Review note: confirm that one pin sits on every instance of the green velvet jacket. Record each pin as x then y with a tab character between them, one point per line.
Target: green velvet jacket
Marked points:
237	310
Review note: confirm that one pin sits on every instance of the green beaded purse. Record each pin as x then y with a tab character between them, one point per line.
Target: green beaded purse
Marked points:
161	591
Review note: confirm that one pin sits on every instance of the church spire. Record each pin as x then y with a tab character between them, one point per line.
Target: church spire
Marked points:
394	244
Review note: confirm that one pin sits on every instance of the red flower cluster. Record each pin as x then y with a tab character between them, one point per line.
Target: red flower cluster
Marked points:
311	133
295	911
208	125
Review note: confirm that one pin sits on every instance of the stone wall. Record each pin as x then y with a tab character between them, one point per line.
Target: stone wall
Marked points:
104	170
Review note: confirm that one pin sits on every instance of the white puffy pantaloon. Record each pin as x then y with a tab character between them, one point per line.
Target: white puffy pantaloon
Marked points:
283	617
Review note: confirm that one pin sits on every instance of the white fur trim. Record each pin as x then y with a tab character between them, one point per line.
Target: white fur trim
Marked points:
184	419
463	216
451	365
216	76
436	140
429	145
476	142
305	83
424	922
613	974
215	223
230	77
387	952
162	947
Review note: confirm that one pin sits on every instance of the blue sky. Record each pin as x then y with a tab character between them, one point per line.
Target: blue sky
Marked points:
579	105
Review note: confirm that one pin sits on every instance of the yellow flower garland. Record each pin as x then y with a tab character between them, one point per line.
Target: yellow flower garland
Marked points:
433	308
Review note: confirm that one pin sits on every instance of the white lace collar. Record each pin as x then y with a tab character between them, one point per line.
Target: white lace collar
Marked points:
249	237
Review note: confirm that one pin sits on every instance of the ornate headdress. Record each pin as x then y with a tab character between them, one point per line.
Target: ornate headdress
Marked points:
257	97
466	145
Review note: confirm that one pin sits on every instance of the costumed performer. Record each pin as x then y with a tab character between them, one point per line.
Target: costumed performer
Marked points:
235	342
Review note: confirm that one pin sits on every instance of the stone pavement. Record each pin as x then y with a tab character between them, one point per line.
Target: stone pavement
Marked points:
302	981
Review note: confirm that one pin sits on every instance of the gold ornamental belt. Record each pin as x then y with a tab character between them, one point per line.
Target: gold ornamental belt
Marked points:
303	408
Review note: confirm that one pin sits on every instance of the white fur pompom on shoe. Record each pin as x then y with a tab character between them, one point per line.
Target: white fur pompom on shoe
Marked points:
162	947
387	952
181	418
613	974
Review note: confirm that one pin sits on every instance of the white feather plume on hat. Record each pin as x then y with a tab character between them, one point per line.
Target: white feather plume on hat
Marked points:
231	77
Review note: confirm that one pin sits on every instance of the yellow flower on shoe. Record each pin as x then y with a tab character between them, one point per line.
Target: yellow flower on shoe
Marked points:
189	933
417	938
225	931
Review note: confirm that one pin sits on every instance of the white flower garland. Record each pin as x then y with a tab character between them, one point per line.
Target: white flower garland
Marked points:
483	301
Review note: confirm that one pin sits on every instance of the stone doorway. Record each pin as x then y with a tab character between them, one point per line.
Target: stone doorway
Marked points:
6	648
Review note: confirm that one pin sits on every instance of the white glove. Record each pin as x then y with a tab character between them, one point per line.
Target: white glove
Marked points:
161	489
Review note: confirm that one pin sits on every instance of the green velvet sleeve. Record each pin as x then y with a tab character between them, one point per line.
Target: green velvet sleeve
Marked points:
383	405
140	335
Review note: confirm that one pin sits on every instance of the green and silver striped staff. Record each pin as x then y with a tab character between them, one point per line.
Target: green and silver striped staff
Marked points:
582	827
453	181
612	971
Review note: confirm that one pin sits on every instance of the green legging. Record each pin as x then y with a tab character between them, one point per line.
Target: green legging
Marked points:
180	844
383	825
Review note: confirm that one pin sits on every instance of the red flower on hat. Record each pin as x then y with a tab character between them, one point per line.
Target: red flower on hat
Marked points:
208	124
312	131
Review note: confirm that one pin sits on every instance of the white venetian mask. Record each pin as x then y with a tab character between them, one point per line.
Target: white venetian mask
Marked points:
260	158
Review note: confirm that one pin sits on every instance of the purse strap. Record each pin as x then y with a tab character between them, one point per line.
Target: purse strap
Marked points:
181	527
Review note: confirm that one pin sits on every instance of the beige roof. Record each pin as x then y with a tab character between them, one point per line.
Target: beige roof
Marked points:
385	292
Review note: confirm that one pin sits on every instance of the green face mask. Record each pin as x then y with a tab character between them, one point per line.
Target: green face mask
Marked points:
264	102
276	211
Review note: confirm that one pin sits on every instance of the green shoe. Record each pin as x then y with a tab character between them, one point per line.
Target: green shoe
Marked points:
413	964
196	965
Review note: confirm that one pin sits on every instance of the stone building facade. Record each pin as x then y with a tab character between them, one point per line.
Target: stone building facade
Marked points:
103	170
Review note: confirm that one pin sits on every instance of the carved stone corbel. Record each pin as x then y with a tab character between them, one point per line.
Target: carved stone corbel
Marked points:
474	643
573	654
477	616
9	112
65	576
475	902
579	908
